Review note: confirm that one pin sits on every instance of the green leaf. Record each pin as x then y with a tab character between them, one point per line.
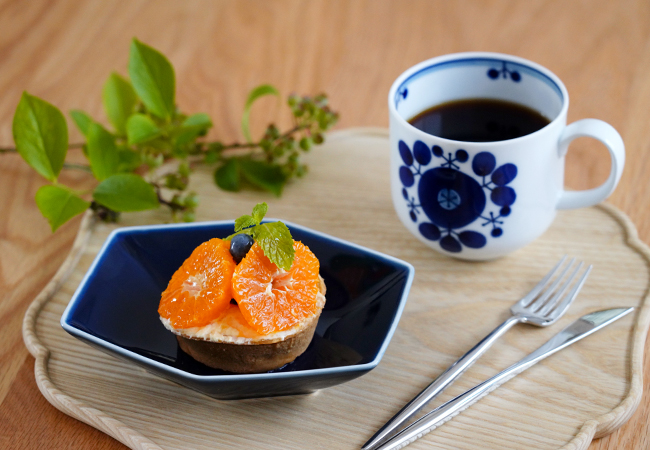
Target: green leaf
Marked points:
264	175
260	91
228	176
126	192
200	120
141	128
119	100
41	135
244	221
58	204
153	79
102	152
194	126
129	160
82	120
259	211
276	242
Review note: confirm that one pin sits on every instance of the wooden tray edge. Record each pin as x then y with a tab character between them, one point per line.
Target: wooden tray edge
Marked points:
592	429
611	421
63	402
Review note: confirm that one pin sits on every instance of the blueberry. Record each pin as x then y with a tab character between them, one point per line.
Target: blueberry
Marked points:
239	246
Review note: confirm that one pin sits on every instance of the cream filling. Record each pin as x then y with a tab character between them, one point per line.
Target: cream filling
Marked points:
220	332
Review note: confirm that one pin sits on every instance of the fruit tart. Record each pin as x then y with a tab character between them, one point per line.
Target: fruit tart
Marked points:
248	303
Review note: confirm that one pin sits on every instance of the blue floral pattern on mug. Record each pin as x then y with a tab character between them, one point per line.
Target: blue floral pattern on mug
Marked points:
505	73
451	199
403	93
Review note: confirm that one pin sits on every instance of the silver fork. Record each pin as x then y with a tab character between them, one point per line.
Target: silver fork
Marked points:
542	307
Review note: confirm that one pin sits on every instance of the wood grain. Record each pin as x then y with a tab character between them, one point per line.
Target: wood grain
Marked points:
64	50
588	390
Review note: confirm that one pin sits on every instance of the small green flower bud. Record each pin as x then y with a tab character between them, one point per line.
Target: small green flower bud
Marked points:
305	143
184	169
189	216
191	200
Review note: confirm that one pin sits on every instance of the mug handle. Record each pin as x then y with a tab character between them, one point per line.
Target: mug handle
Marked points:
606	134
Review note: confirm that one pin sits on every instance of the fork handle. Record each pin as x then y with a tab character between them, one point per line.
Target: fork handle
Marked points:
455	406
439	384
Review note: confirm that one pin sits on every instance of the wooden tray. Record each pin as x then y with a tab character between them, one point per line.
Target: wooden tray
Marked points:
585	391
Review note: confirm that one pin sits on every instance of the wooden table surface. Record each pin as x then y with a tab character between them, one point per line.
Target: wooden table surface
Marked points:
63	51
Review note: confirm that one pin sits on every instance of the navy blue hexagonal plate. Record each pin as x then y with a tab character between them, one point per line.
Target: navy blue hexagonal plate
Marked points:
115	310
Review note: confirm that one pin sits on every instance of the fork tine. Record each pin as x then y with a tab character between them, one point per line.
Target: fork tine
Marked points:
556	298
537	289
539	303
569	298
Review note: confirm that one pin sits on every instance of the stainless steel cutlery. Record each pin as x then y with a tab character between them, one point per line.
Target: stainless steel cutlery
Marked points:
579	329
542	306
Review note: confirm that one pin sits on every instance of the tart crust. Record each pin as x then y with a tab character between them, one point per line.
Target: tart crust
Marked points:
252	355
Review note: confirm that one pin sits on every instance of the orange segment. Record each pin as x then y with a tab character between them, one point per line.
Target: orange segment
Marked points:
200	290
272	299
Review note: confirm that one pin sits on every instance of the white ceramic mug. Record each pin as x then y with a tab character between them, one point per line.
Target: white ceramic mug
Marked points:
482	200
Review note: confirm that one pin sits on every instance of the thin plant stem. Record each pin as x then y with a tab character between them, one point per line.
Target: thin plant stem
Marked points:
203	146
13	149
77	167
163	201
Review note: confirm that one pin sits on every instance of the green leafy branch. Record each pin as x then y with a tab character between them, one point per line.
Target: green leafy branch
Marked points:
147	131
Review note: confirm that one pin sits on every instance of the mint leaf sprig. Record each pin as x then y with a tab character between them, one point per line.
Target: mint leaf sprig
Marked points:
273	237
147	130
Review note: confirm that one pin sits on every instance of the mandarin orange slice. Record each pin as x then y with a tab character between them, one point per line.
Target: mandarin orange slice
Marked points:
201	288
272	299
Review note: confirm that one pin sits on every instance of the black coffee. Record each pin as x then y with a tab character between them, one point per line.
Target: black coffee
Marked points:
479	120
